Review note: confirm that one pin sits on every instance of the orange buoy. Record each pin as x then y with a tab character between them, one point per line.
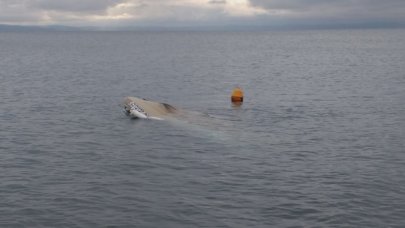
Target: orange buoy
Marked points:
237	95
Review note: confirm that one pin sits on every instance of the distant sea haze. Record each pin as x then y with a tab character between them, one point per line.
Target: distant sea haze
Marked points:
318	141
284	26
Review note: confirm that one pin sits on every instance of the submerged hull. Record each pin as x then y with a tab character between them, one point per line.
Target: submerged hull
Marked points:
145	109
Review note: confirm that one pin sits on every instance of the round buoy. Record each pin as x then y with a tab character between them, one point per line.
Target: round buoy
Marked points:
237	95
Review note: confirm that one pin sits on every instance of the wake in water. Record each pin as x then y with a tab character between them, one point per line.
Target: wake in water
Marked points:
218	127
229	126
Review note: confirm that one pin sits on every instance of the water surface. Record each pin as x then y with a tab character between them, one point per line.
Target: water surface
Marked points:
318	142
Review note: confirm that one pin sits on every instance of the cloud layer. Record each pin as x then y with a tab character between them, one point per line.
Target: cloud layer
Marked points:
201	12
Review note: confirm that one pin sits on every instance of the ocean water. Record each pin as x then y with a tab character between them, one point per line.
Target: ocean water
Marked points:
318	142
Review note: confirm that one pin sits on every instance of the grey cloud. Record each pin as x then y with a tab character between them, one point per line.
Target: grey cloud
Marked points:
73	5
15	11
217	2
150	12
293	4
376	9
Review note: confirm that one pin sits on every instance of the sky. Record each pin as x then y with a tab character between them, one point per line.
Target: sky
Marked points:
200	13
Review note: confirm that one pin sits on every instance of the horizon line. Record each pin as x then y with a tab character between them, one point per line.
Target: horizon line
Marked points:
61	27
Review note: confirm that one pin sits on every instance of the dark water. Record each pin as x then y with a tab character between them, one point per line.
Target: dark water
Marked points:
319	141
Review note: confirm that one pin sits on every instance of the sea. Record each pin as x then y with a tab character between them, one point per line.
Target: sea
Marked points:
319	140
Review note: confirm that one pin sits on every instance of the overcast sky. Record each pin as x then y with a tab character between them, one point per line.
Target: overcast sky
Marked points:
279	13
